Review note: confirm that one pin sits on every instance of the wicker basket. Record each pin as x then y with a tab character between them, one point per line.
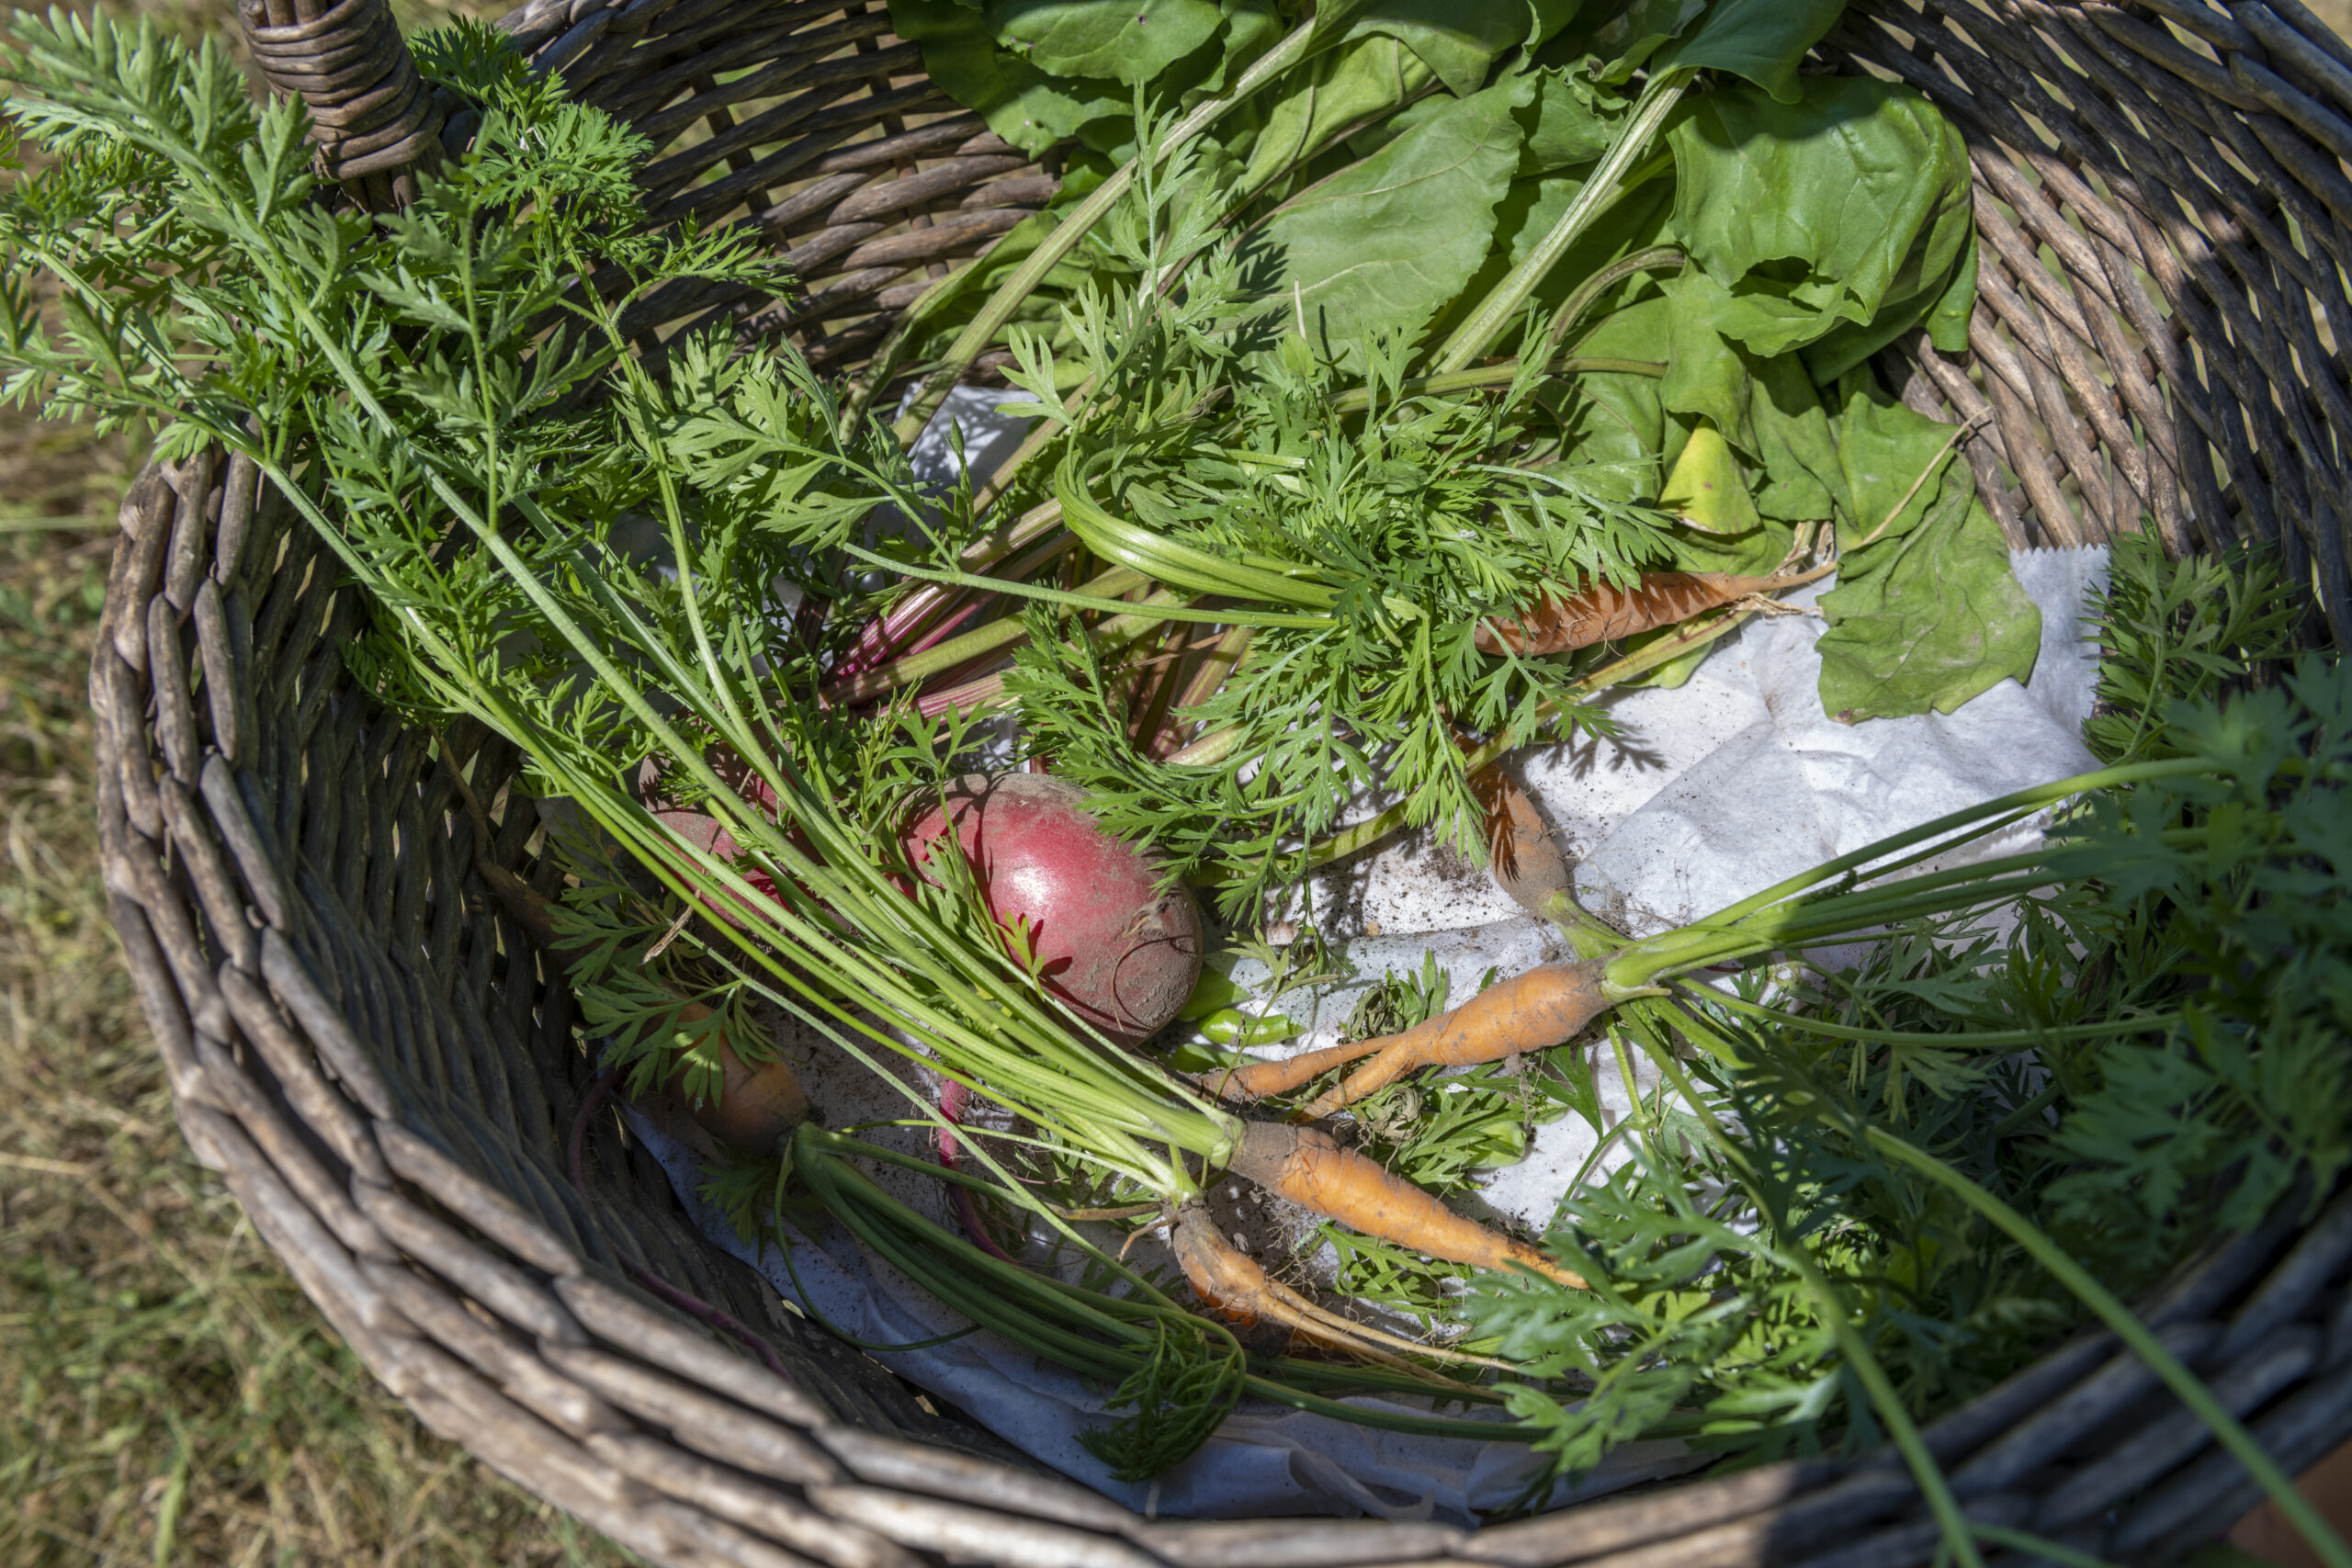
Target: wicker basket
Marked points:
362	1041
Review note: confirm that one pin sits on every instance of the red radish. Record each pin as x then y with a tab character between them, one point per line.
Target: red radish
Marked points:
1119	951
705	834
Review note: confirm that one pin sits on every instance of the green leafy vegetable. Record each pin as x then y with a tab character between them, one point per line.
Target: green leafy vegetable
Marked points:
1131	41
1376	249
1926	613
1821	211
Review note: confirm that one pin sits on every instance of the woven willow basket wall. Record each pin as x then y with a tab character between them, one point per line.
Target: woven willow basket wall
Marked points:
364	1043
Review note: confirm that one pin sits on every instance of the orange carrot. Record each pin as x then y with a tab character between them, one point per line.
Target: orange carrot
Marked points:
1307	1166
1527	865
755	1105
1526	1012
1604	612
1271	1316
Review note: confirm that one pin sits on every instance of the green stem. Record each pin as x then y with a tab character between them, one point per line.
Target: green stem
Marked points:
1601	191
1969	1040
1223	616
975	338
1608	277
970	645
1357	400
2185	1385
1889	1404
2037	1546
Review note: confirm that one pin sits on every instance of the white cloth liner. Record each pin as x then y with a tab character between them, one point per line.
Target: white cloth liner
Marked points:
1713	791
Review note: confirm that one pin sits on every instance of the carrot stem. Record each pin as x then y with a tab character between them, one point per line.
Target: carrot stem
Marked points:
1362	835
999	306
1860	1358
945	656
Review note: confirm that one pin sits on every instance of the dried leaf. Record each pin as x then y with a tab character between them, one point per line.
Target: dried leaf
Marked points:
1604	612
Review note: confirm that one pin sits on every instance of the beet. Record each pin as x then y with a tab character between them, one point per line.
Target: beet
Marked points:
704	833
1122	954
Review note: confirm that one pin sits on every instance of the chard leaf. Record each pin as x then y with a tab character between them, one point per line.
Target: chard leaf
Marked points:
1133	40
1804	481
1926	614
1947	317
1530	209
1563	131
1706	373
1942	305
1858	183
1768	409
1382	246
1616	423
1762	40
1365	80
1458	39
1618	37
1020	103
1251	27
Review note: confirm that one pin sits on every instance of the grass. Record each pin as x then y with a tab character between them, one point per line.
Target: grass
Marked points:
167	1394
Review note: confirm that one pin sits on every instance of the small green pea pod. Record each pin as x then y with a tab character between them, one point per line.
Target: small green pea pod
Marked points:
1231	1026
1213	993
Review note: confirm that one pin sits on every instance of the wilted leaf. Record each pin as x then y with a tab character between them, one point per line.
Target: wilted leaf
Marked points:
1928	613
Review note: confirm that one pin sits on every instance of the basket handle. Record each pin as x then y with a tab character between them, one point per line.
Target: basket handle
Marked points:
374	120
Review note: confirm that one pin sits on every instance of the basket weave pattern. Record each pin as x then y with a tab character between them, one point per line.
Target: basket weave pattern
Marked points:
363	1041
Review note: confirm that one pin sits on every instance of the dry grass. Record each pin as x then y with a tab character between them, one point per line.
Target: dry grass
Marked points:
168	1395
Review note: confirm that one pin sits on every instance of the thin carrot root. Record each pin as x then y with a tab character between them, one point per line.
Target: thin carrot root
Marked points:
1307	1166
1527	865
1233	1286
1526	1012
1259	1080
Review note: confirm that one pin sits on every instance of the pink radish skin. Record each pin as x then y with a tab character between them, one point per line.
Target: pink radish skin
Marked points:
1120	952
705	834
